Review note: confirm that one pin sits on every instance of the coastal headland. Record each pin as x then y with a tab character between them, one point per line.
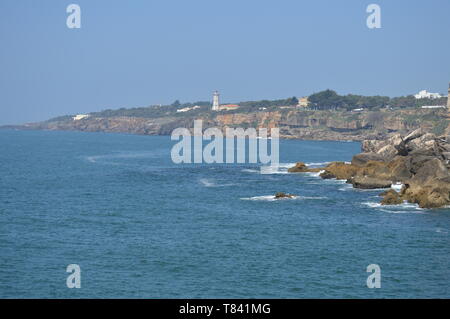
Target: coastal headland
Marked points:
294	123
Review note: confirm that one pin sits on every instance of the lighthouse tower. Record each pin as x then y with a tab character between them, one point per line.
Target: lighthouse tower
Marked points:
216	104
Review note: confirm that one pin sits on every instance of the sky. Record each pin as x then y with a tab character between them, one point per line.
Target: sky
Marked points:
145	52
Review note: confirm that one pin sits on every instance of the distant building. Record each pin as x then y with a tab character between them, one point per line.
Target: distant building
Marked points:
216	103
303	102
228	107
424	94
434	107
187	109
80	117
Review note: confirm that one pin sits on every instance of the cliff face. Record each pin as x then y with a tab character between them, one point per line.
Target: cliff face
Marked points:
333	125
293	123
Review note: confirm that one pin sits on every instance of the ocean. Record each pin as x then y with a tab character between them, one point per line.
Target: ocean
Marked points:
140	226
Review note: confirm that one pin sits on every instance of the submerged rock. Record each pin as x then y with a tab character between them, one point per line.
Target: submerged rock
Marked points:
280	195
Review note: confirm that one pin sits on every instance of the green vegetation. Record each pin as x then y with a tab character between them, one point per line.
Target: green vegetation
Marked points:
329	99
439	128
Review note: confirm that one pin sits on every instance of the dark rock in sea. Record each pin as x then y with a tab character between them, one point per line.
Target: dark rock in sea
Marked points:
327	175
301	167
370	183
391	197
339	170
280	195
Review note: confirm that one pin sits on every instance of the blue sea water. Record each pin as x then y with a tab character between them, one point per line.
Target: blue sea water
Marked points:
140	226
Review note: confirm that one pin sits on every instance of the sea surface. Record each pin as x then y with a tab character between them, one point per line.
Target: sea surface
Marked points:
140	226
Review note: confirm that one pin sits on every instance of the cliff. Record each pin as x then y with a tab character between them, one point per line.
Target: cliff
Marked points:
292	122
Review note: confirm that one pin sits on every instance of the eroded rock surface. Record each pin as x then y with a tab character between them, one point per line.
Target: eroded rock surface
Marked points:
419	160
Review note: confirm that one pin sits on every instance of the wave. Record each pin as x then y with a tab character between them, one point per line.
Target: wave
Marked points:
314	174
317	164
396	209
346	188
249	170
280	169
210	183
271	198
268	198
105	159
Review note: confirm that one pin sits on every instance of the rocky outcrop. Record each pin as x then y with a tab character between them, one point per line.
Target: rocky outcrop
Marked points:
281	195
364	182
391	197
301	167
419	160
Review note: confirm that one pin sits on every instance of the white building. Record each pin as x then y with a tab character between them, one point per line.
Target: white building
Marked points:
216	104
80	117
424	94
434	107
187	109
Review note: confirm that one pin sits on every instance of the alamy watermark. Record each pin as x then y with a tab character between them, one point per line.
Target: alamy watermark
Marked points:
374	280
74	19
190	148
374	19
74	279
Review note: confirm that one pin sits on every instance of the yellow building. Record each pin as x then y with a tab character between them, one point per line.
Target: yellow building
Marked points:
303	102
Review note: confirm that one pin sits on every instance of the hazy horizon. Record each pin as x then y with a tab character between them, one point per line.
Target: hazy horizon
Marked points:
139	54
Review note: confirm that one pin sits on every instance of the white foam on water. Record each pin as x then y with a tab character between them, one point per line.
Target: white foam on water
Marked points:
400	211
248	170
106	158
312	197
267	198
272	198
286	165
270	170
314	174
405	208
210	183
335	181
317	164
346	188
370	189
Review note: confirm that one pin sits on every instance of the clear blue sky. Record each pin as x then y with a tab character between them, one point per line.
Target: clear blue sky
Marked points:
142	52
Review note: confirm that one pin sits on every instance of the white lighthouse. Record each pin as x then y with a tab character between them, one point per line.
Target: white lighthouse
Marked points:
216	104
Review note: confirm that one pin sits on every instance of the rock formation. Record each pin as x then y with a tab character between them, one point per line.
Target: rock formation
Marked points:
301	167
280	195
419	160
292	123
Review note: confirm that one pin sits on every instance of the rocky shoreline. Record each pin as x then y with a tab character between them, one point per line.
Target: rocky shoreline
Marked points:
417	162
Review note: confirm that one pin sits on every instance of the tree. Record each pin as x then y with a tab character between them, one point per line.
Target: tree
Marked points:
176	103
